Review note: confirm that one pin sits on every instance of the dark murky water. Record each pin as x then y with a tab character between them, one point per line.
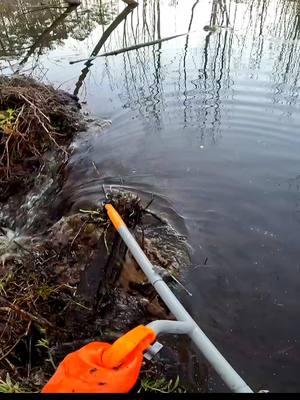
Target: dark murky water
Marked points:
209	123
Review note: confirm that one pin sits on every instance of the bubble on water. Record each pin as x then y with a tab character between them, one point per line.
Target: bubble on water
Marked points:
265	232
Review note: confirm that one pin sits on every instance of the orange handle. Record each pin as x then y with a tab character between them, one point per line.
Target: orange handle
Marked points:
114	216
135	341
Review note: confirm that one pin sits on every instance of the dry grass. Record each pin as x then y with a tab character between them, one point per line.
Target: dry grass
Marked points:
39	277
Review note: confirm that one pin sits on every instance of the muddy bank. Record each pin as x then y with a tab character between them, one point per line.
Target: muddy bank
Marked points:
37	124
79	273
57	276
34	119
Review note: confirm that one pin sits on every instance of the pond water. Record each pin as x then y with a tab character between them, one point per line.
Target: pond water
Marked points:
209	123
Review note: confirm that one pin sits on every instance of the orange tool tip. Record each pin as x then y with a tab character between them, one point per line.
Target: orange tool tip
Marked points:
114	216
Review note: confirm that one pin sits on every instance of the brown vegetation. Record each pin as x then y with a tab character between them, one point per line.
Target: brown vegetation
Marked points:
34	118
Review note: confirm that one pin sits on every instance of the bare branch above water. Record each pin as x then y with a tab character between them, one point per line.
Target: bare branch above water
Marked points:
129	48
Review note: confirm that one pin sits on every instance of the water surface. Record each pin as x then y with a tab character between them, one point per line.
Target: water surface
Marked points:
209	124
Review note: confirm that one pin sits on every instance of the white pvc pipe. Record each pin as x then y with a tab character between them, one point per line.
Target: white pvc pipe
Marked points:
175	327
215	358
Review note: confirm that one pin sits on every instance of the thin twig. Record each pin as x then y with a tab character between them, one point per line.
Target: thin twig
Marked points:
150	202
155	216
50	359
96	169
27	315
78	233
104	239
179	283
12	347
92	213
17	342
22	247
34	106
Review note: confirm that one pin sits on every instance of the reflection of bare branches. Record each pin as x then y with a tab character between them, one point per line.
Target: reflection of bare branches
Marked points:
145	22
230	44
104	37
144	78
185	102
21	30
142	94
38	9
223	7
45	36
156	88
158	19
106	34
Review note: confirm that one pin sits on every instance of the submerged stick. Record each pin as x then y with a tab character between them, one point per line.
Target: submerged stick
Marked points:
134	47
180	284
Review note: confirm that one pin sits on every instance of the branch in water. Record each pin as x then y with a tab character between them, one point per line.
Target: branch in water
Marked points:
134	47
131	2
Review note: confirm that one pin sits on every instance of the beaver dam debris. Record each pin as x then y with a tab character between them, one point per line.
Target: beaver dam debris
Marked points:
75	271
78	274
34	119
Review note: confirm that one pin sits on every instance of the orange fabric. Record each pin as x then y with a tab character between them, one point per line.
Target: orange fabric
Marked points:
103	368
134	342
114	216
